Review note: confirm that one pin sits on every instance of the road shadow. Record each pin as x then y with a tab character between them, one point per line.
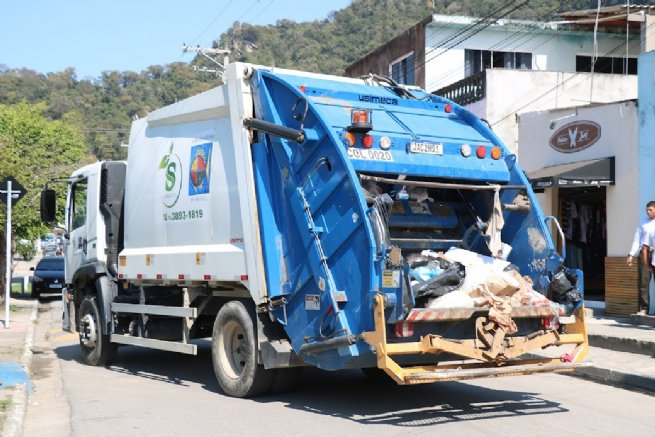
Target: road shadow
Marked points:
162	366
344	394
349	395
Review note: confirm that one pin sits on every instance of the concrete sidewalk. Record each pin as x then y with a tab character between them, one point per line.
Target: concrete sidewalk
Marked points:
622	351
15	359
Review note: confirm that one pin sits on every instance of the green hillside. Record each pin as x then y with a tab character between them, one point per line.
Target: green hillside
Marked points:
101	109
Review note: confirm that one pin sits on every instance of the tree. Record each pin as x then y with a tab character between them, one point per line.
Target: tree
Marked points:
34	151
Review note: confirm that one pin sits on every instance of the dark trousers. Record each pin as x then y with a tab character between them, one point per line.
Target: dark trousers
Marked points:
644	286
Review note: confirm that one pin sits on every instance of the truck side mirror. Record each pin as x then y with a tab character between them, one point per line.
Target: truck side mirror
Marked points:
48	205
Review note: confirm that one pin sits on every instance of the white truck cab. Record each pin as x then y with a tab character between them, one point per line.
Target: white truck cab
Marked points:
85	241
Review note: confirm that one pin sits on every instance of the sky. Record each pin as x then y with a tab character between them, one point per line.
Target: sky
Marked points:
94	36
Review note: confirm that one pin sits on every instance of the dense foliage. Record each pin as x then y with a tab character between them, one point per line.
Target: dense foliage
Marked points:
34	151
101	108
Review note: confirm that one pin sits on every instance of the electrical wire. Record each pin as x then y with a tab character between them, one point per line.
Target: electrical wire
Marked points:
473	33
573	76
523	35
212	22
252	20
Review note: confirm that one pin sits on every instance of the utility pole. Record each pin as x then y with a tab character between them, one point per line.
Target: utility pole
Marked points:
210	54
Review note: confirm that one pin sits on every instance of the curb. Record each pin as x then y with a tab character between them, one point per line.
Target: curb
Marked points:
14	424
620	344
645	384
643	320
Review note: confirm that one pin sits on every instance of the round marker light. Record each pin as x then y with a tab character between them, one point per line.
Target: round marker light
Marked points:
349	139
448	108
496	152
367	141
481	152
385	143
465	150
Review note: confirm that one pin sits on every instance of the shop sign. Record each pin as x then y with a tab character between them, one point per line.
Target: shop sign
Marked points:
575	136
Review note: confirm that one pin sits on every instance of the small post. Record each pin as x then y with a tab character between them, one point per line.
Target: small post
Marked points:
8	248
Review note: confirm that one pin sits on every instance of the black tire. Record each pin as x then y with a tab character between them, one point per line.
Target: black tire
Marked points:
97	349
234	353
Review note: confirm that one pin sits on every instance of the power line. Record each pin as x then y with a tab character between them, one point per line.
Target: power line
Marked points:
247	10
462	31
574	75
517	38
212	22
252	20
473	33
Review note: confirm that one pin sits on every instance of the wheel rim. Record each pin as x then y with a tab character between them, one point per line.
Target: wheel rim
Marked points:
88	331
233	351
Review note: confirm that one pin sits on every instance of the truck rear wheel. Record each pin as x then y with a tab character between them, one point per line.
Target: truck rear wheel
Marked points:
234	352
96	346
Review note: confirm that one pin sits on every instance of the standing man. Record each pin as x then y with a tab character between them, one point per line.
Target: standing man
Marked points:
647	231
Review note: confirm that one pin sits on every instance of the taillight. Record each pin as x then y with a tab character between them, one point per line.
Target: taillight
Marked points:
496	152
448	108
481	152
404	329
465	150
367	141
550	323
385	143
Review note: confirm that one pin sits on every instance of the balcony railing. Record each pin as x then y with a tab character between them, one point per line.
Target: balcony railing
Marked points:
465	91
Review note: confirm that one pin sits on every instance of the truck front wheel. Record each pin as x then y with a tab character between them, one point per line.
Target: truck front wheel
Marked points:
96	346
234	352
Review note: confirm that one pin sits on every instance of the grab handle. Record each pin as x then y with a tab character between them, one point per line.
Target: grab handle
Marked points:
559	230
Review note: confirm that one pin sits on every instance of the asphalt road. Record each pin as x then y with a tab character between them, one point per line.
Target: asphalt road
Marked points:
152	393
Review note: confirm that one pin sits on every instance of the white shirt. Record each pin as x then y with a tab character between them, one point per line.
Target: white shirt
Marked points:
648	236
639	236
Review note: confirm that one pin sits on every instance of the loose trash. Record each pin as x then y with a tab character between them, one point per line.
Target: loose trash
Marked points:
433	276
563	288
461	278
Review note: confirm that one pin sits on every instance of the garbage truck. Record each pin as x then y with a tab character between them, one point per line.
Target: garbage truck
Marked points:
301	219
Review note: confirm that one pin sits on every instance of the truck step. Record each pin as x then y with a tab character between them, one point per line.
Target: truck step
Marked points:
157	310
171	346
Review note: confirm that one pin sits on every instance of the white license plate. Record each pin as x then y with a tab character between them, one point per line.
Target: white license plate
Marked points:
55	285
428	148
369	154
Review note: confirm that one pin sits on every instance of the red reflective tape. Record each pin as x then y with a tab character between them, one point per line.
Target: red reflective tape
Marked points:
180	276
139	276
207	277
120	276
159	276
244	277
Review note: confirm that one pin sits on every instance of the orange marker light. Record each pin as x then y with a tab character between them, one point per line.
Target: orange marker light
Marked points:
359	116
496	152
349	139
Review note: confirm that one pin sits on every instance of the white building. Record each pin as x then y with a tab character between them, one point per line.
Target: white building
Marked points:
539	76
501	69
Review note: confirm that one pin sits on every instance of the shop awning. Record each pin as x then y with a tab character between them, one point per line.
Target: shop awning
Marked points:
593	173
